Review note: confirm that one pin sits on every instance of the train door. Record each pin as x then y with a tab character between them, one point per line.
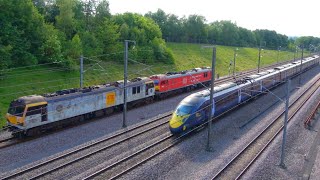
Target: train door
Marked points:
44	113
149	89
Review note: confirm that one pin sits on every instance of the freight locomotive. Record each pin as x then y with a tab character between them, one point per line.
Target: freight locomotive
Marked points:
193	110
31	115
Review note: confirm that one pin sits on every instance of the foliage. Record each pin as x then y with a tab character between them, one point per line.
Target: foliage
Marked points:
146	33
194	29
47	31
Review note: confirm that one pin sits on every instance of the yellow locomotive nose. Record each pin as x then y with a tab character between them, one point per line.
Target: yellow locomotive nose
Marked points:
11	119
14	119
177	121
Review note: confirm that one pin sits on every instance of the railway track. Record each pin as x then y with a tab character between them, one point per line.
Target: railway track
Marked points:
240	163
5	140
130	162
133	160
49	168
9	142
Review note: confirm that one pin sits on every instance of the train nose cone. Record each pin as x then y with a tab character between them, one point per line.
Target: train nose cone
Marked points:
11	119
175	121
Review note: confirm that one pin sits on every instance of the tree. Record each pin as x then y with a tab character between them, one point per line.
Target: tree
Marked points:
146	33
21	32
108	35
75	50
195	29
51	48
103	11
65	19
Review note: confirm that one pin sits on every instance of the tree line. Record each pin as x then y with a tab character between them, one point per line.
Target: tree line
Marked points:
49	31
195	29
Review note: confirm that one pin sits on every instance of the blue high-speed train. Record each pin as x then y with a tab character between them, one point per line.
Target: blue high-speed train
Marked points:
193	110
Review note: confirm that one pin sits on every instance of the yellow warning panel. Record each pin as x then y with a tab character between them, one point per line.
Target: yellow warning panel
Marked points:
110	98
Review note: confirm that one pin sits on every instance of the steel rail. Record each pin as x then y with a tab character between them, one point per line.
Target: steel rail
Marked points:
97	151
308	120
103	170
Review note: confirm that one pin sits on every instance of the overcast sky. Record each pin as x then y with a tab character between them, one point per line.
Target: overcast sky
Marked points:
289	17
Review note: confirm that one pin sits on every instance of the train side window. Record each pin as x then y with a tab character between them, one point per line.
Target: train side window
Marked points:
33	110
136	90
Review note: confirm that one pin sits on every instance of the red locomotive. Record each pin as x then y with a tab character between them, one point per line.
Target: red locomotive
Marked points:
171	82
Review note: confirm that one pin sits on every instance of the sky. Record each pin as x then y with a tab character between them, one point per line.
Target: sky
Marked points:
292	18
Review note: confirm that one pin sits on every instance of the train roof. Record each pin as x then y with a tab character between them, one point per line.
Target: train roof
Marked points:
70	93
137	80
170	75
254	76
30	99
263	73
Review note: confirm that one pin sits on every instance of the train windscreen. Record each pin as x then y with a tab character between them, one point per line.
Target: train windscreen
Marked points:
16	109
184	109
156	82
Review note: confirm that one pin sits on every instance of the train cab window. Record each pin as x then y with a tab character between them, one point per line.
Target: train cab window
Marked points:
138	89
16	110
184	110
156	82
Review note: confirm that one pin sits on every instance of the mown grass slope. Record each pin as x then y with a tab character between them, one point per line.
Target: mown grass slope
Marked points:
45	79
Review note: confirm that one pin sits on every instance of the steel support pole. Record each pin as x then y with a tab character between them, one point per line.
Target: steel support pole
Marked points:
81	71
278	56
285	125
259	58
294	56
301	66
211	98
234	61
125	76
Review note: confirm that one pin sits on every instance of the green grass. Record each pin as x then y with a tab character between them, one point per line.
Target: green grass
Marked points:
44	79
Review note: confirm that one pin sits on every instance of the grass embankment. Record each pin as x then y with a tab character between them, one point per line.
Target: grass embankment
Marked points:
19	82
